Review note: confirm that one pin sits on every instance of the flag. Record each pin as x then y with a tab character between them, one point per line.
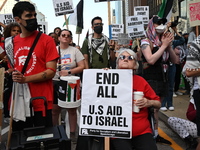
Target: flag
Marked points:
76	18
166	9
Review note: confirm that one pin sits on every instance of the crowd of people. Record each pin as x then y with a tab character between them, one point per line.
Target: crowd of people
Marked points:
164	50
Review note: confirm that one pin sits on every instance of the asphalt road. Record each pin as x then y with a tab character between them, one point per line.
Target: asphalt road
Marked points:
164	131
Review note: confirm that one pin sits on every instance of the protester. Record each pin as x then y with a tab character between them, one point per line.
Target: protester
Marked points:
96	49
74	65
191	71
57	30
12	29
167	103
55	37
186	129
40	69
157	50
141	128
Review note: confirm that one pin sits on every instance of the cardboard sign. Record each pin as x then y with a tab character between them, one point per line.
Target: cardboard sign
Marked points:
123	39
116	29
106	107
135	26
142	11
6	18
63	7
194	15
43	27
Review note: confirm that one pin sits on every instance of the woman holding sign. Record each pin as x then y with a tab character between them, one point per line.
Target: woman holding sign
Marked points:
142	137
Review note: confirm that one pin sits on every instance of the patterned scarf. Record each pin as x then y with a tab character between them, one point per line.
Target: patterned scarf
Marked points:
193	61
154	38
98	44
151	33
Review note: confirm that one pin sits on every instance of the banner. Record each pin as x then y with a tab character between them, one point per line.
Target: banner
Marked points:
106	107
135	26
63	7
142	11
116	29
6	18
194	15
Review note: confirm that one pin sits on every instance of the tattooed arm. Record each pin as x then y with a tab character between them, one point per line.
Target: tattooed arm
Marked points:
147	52
42	76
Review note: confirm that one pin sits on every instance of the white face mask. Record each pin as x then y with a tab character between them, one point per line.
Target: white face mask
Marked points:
161	28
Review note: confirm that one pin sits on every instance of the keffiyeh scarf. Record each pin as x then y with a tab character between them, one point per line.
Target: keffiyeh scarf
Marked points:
151	33
98	45
192	61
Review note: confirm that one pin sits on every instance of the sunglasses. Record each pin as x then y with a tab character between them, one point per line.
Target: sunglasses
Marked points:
66	35
98	24
122	57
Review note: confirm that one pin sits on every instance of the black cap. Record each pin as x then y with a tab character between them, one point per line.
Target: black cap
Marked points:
158	20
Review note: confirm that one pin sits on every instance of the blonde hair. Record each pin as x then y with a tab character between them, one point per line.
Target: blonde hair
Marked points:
132	53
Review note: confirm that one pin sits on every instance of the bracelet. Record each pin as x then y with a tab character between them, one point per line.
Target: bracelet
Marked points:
52	69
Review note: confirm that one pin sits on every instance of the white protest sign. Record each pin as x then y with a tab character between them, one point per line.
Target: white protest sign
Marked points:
194	16
43	27
106	107
116	29
135	26
63	7
142	11
6	18
123	39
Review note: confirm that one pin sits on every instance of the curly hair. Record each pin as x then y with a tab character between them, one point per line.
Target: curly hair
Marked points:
8	28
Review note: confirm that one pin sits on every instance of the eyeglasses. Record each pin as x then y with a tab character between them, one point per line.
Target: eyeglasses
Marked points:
122	57
98	24
66	35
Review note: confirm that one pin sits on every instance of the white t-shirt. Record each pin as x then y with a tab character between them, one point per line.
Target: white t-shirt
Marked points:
69	59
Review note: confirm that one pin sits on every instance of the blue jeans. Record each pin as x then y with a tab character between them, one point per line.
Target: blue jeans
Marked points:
168	100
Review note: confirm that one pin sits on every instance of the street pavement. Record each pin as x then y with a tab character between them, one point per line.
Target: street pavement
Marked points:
180	103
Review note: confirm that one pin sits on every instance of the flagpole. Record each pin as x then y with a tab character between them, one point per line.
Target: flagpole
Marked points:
107	139
78	39
3	5
66	22
197	31
2	70
109	21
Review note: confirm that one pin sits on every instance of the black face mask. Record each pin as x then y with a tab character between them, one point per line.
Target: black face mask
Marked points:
98	29
31	24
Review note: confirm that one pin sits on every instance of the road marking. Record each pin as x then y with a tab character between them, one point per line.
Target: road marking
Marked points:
5	130
164	135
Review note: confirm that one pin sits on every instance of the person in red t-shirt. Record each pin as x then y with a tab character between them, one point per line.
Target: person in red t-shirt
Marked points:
40	69
142	136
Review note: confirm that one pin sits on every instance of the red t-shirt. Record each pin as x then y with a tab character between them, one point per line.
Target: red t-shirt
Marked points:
140	122
44	51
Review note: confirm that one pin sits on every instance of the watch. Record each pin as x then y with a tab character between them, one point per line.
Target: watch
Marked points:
69	72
